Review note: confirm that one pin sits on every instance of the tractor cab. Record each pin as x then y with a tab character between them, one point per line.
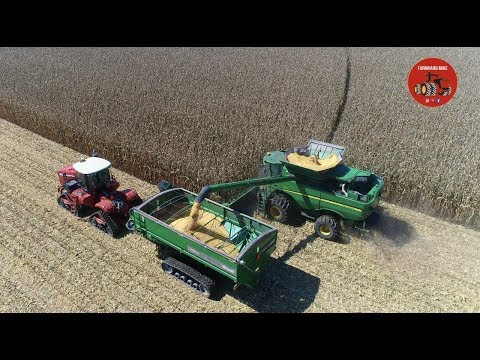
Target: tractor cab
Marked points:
93	174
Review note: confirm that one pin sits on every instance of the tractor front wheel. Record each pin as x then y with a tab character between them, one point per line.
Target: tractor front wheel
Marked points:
104	222
326	227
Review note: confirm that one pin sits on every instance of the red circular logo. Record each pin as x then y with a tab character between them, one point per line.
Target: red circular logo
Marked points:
432	82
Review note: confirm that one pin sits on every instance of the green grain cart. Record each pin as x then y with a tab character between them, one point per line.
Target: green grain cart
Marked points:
224	240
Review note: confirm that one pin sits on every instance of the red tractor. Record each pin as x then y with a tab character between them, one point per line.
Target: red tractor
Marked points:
439	86
87	186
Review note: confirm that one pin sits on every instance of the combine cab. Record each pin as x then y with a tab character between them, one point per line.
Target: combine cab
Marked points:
87	188
437	86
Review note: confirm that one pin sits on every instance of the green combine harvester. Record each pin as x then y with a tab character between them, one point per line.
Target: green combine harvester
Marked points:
320	188
310	181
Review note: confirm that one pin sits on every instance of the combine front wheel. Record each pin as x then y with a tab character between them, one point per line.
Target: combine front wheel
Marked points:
326	227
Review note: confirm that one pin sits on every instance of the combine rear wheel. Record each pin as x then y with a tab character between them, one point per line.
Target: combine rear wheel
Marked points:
326	227
105	223
188	275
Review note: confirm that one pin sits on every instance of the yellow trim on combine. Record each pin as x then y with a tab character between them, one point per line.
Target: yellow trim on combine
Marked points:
324	200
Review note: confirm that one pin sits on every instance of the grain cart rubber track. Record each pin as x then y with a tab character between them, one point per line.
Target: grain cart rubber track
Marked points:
188	276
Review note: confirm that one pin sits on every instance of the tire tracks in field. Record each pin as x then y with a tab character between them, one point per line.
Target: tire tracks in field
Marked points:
27	277
343	103
34	253
14	299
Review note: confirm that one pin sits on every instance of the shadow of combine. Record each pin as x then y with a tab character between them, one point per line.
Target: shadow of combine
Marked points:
247	204
302	244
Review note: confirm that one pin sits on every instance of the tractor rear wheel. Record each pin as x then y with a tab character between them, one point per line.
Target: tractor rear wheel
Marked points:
326	227
278	209
105	223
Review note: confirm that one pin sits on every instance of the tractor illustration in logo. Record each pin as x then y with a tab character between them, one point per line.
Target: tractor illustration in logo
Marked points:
439	86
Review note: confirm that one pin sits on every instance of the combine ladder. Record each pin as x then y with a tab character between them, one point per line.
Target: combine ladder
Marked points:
261	202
